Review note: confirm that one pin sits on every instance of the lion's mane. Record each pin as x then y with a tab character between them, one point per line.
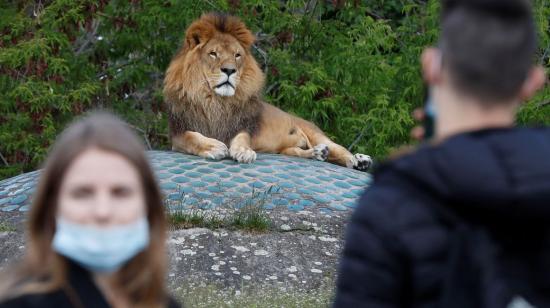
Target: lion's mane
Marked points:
192	104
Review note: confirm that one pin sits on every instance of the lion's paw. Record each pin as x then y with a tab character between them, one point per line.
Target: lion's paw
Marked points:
242	154
360	162
320	152
216	150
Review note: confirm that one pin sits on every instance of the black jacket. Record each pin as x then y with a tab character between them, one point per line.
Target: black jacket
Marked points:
84	294
396	247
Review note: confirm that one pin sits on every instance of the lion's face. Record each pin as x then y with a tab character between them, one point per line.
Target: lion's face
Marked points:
223	59
215	63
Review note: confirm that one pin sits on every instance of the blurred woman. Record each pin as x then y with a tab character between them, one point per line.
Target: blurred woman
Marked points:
96	231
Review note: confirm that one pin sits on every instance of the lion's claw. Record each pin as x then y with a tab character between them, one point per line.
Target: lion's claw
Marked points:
217	150
242	154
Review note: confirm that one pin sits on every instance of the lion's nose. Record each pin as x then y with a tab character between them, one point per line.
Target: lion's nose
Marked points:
228	71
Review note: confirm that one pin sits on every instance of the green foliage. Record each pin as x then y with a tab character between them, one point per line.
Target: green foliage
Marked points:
352	67
537	111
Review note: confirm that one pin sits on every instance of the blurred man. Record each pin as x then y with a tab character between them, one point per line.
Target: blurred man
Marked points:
464	220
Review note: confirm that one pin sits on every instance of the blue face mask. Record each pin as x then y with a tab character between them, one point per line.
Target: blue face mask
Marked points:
429	117
100	249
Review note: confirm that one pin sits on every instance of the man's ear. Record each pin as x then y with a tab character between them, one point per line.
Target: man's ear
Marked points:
432	65
534	82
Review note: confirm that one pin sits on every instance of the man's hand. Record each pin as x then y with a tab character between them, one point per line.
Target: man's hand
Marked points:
417	133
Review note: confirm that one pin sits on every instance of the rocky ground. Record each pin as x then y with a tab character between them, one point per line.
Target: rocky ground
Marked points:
293	264
300	207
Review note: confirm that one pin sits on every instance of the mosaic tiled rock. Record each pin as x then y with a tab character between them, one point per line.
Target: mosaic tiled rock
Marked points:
190	181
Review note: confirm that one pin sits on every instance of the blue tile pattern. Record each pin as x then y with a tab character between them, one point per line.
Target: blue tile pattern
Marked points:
279	181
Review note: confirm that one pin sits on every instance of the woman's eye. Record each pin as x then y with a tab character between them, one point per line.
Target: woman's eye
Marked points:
81	193
121	192
213	54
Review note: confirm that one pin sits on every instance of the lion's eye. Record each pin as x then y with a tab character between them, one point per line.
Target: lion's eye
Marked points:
238	55
213	54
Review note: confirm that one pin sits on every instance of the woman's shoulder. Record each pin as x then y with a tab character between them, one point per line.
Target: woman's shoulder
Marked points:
45	300
55	300
172	303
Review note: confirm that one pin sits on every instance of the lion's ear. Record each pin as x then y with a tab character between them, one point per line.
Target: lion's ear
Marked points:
192	41
196	39
198	33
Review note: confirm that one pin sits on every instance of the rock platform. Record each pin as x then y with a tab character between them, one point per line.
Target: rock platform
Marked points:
308	203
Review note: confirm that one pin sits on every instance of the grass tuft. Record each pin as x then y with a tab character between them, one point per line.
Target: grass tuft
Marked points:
268	296
5	227
194	218
242	213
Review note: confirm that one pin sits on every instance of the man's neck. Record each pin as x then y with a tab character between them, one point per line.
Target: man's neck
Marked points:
457	115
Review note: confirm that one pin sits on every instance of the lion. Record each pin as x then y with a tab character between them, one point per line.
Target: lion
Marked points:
213	89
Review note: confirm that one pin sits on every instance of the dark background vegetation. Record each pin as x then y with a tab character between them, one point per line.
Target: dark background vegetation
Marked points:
349	66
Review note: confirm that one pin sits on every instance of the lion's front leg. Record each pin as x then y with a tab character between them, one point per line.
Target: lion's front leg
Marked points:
240	150
196	144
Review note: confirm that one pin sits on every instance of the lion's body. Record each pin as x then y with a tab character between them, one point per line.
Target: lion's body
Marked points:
212	120
213	90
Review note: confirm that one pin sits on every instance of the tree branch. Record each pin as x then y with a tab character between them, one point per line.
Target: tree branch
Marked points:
131	62
4	159
89	38
263	54
311	5
144	133
211	4
271	87
544	54
359	137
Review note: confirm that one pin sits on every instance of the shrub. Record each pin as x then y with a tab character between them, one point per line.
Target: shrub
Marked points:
349	66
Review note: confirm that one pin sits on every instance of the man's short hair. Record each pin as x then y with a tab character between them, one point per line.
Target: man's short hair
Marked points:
488	46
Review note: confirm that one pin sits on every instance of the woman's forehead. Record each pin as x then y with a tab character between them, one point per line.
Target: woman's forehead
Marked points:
103	166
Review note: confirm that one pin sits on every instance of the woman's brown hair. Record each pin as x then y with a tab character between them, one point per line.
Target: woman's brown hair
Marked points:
43	270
